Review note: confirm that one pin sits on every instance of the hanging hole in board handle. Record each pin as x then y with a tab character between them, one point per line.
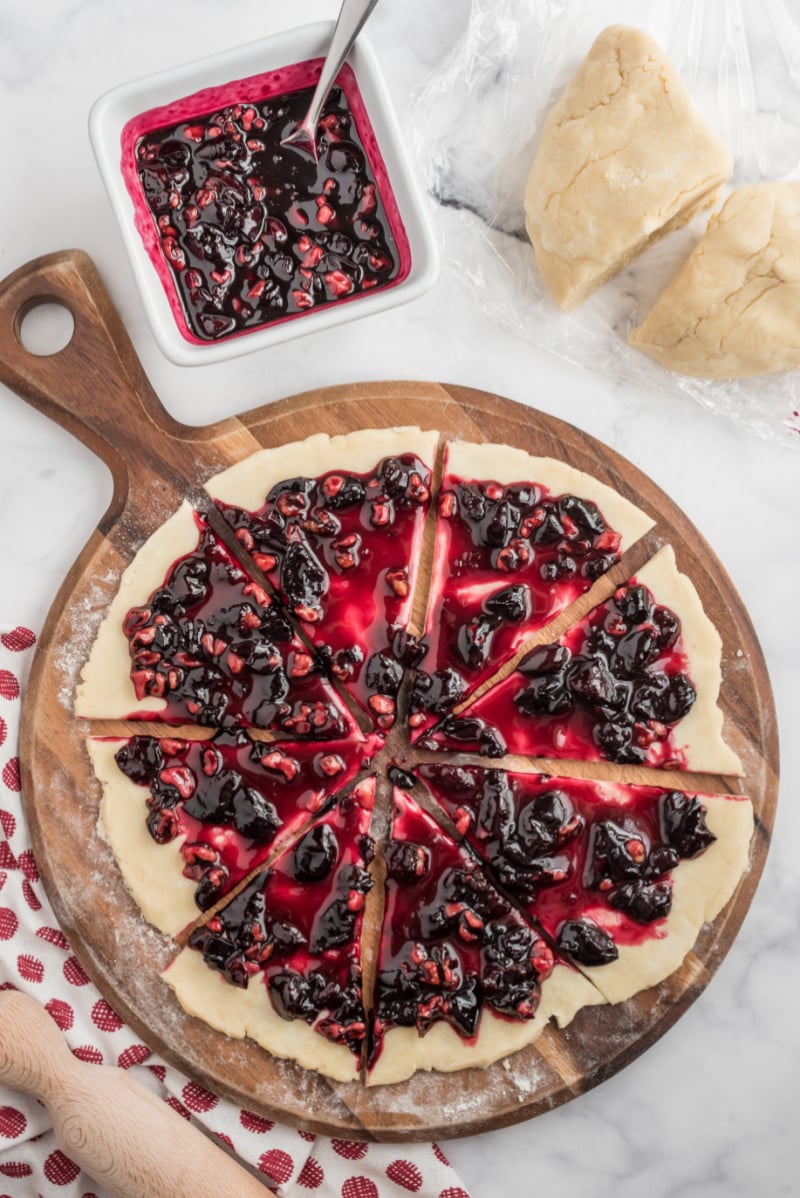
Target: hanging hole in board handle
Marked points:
45	327
79	367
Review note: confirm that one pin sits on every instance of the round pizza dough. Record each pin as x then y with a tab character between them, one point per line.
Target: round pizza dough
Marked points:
154	873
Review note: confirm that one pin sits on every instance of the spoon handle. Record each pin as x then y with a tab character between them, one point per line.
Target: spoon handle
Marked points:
352	17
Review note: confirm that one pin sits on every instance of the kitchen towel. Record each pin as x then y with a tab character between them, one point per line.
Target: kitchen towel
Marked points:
35	957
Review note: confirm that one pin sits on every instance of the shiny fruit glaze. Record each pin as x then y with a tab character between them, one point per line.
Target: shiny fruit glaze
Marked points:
232	801
297	925
218	650
508	559
450	943
552	870
342	551
248	232
612	687
591	862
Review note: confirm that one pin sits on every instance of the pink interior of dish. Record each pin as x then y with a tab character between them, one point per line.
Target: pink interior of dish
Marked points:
254	88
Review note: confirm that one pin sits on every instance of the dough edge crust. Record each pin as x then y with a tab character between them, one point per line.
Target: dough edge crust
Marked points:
153	873
105	690
404	1051
246	483
702	887
698	734
204	993
506	464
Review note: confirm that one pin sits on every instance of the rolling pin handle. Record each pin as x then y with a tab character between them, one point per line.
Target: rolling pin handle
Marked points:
120	1133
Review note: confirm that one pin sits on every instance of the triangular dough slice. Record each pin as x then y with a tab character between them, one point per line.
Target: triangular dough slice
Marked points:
624	157
188	820
281	963
518	539
636	681
733	308
336	525
621	878
190	637
462	978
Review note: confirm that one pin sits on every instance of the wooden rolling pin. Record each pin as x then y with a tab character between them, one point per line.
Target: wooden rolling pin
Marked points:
120	1133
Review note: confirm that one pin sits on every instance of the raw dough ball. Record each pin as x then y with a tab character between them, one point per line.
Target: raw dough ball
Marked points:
624	157
733	309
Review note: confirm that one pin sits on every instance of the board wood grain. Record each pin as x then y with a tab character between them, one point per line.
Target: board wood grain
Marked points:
96	388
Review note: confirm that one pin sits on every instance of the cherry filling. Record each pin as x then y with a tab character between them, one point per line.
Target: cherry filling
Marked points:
219	652
508	559
449	942
230	799
342	551
298	924
591	863
572	867
612	687
253	232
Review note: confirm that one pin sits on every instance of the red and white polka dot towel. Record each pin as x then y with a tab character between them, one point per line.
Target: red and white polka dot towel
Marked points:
35	957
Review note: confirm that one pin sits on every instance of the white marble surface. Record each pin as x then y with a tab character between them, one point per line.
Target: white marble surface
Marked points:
713	1108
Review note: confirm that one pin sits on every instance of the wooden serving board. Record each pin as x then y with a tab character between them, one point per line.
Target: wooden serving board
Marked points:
96	388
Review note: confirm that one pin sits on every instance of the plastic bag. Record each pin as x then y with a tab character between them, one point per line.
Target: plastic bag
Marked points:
476	124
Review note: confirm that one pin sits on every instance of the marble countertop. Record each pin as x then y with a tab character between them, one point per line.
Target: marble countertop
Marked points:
712	1108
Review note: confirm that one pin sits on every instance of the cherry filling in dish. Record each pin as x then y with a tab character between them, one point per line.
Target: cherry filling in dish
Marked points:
229	800
298	924
219	651
612	687
450	943
508	559
253	232
591	862
342	551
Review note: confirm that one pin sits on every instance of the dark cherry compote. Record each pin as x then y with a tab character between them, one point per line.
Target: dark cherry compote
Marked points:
253	232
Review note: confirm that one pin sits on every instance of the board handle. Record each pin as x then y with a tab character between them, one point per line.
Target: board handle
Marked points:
120	1133
95	386
94	382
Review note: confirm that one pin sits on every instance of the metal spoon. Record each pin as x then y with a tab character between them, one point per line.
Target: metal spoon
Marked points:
352	18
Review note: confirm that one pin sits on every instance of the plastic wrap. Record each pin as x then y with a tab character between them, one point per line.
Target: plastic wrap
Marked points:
476	125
